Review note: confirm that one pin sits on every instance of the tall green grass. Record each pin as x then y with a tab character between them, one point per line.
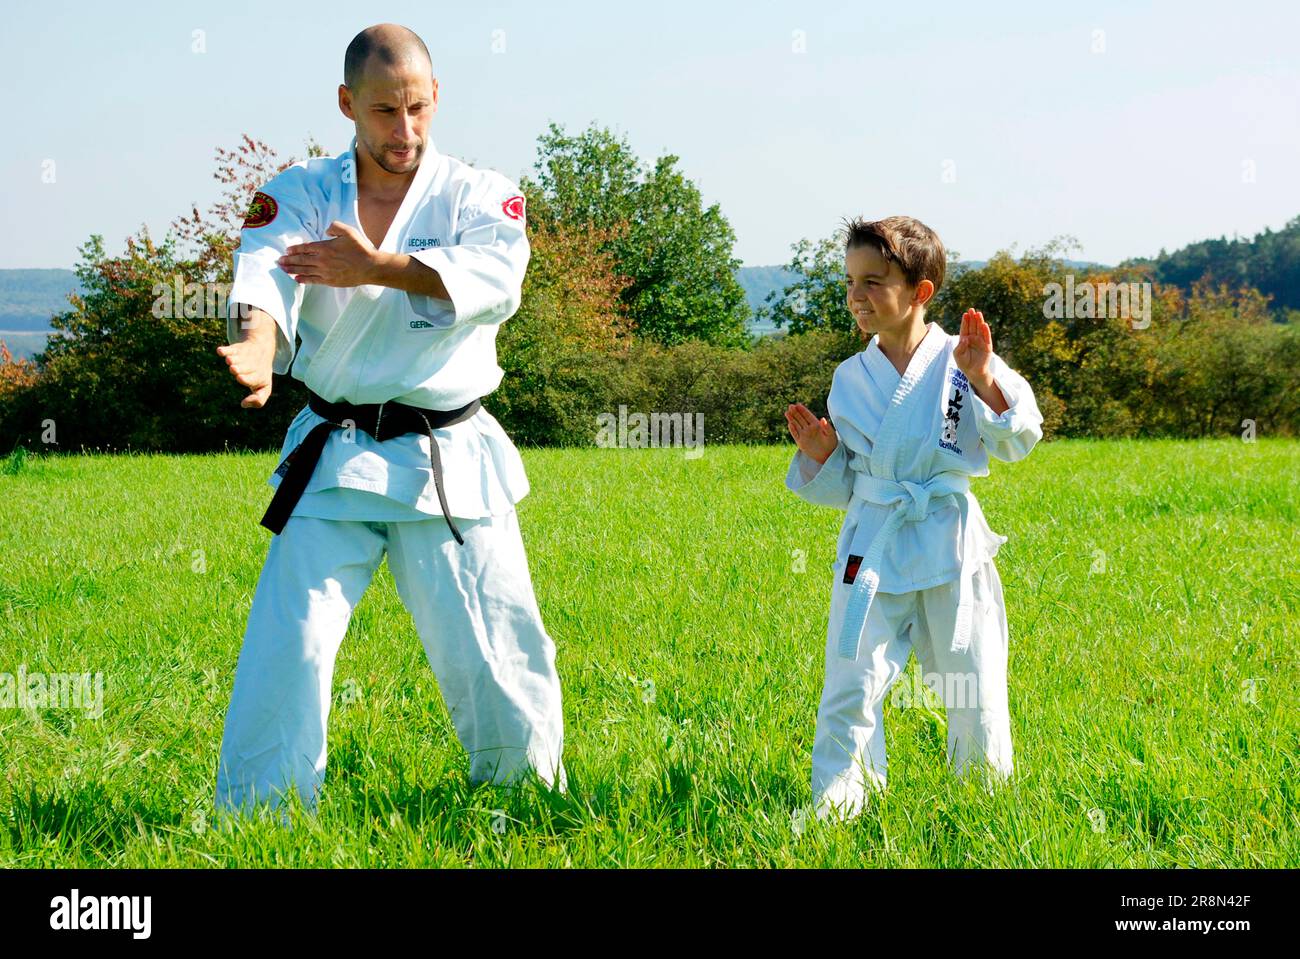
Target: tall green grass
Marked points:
1152	593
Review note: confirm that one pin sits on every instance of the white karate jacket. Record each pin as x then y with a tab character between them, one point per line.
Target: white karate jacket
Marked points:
908	447
373	344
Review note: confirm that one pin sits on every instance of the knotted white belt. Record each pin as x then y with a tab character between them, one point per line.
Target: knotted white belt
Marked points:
911	502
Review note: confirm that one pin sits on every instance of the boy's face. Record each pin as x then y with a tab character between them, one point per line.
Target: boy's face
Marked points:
877	293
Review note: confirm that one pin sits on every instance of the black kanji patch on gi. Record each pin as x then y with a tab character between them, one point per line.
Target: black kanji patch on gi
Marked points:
851	569
948	439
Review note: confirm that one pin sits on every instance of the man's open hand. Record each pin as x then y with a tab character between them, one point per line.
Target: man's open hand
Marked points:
815	438
251	359
349	259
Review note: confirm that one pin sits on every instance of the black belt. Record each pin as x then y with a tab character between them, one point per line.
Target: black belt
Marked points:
383	421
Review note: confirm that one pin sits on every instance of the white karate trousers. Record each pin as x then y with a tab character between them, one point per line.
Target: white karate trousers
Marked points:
476	615
849	744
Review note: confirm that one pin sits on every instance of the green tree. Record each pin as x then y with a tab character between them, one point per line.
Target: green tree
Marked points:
1268	262
563	352
676	253
132	363
1223	361
815	300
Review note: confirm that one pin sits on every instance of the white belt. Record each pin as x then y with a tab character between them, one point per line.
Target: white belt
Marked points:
911	502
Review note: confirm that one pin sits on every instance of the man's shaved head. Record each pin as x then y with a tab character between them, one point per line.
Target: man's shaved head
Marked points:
390	93
391	45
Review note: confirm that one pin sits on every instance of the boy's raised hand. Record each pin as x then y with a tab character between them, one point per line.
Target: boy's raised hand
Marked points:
972	357
816	438
975	347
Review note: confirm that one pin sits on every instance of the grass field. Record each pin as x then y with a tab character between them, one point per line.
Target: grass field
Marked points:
1152	591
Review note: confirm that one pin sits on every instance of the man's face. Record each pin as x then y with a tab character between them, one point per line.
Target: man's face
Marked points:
392	107
877	293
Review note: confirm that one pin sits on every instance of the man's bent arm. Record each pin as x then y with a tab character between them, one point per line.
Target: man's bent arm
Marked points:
402	272
253	322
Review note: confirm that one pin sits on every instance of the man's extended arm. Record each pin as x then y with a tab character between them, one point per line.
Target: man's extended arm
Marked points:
476	279
402	272
350	259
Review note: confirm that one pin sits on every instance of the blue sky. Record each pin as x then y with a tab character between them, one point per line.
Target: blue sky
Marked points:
1131	126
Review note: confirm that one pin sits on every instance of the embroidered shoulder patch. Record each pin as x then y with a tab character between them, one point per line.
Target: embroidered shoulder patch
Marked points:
514	207
261	211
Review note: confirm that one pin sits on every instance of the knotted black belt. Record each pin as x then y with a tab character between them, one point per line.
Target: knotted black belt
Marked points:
383	421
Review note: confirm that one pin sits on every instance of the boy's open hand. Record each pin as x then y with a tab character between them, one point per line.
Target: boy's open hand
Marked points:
975	347
815	438
972	358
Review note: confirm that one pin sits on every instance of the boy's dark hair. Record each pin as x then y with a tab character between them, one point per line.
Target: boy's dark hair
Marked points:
911	244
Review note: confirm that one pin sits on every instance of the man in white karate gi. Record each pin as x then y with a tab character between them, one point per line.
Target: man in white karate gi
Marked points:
913	417
390	269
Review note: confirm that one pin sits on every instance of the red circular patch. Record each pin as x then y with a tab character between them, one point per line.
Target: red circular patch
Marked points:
261	211
514	207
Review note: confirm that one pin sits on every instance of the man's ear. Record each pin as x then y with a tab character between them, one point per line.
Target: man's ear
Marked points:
924	290
434	101
345	102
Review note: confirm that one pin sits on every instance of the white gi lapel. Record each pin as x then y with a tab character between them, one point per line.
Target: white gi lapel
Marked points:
415	195
884	452
334	370
910	502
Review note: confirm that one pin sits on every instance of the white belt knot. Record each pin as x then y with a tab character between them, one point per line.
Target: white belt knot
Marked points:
918	500
911	502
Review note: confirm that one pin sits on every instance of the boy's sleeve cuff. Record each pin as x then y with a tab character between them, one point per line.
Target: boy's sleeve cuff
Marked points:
1009	422
807	477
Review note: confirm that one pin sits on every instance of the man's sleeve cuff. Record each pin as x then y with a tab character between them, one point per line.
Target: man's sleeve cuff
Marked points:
267	297
1009	422
468	304
444	313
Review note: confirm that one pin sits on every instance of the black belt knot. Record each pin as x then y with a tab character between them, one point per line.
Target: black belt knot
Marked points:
383	421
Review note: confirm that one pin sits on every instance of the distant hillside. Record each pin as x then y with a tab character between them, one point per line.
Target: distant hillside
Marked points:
757	282
1269	262
28	298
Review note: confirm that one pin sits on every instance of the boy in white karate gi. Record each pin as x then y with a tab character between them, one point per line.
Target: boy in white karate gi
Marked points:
912	418
394	266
